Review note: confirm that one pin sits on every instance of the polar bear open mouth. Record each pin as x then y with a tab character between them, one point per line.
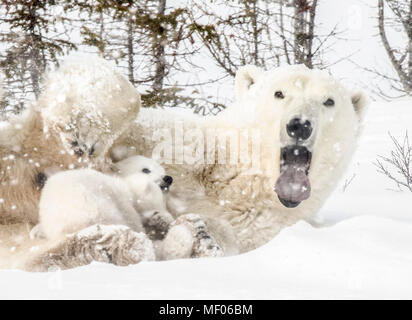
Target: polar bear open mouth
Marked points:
293	185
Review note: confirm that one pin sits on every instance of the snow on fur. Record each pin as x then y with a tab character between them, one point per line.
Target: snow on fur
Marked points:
88	102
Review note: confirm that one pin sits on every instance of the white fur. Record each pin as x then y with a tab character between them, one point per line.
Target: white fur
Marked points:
86	100
243	197
14	130
74	200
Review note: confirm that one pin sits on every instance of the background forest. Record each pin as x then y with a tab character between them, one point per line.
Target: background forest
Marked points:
185	53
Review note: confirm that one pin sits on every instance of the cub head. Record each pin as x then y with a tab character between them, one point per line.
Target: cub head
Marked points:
312	120
143	172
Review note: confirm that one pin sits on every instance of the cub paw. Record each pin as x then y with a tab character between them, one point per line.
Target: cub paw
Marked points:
157	224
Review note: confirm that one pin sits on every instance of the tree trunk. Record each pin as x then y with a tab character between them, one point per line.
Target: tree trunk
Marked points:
409	33
311	34
36	66
304	31
254	16
282	33
101	33
299	31
130	53
159	52
403	77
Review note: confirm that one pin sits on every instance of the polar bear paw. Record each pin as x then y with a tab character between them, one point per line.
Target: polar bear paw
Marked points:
114	244
157	224
84	134
189	237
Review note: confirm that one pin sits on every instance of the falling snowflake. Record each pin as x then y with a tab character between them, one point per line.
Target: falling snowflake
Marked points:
299	84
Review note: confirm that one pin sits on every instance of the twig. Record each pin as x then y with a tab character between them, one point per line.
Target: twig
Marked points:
400	162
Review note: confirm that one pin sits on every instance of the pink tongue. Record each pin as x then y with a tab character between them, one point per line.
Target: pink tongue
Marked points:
293	184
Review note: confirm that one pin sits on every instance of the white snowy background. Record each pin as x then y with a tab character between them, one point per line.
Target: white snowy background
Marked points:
358	246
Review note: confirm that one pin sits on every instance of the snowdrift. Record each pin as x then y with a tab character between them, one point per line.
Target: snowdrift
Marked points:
358	246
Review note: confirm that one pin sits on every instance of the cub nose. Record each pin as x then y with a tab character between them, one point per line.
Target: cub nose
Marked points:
299	129
167	180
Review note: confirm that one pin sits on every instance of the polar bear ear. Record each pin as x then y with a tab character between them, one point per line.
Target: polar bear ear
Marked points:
359	101
245	77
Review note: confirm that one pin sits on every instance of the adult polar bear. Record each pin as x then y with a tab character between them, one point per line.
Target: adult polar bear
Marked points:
308	125
238	198
85	106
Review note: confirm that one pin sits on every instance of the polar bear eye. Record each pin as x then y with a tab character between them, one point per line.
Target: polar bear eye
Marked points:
145	170
279	95
329	103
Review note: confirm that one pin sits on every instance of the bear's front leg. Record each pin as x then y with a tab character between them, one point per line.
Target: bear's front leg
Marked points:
114	244
188	237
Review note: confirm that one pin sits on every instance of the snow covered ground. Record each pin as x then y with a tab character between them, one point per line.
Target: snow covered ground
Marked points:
358	246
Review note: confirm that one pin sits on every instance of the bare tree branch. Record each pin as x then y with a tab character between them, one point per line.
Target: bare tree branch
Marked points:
399	162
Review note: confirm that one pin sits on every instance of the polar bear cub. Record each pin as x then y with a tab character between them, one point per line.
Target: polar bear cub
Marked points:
76	199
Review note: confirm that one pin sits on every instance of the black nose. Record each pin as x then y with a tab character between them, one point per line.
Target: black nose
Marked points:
299	129
168	180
